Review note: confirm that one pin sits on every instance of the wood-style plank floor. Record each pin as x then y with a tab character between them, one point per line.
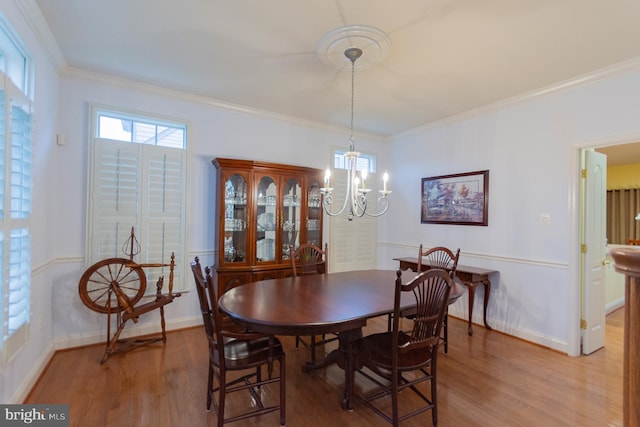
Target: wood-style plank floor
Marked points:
488	379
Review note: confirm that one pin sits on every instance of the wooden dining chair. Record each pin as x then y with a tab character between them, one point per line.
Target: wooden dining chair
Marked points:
236	359
446	259
395	361
308	259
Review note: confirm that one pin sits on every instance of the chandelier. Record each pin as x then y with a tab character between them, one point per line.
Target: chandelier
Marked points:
356	196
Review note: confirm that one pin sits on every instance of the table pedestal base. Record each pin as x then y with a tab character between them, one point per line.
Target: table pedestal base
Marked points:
342	357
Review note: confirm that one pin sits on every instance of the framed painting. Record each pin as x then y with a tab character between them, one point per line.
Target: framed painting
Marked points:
461	198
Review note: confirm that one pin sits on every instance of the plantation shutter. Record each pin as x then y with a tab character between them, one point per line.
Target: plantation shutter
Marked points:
16	168
164	207
115	199
352	244
140	186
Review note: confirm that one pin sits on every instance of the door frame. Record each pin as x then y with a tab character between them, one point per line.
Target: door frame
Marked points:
575	201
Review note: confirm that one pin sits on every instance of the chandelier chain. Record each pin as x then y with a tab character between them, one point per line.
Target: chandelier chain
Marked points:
353	95
356	195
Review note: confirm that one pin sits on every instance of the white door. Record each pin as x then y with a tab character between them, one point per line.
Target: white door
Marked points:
594	243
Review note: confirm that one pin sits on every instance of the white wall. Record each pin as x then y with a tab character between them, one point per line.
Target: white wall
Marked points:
530	148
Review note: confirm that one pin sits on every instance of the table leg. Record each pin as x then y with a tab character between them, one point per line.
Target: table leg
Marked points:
351	363
487	291
472	296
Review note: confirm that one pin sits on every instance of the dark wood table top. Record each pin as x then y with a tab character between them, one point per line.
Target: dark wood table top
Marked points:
317	304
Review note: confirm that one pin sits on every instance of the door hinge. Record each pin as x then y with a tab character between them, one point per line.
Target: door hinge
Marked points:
583	248
584	173
583	324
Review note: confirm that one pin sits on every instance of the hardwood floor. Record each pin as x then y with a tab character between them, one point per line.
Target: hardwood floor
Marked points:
488	379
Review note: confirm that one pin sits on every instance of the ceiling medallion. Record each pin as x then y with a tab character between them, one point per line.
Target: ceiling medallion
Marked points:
372	41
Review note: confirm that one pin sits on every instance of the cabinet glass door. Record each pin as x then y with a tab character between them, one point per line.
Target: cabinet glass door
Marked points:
235	219
266	211
290	227
314	214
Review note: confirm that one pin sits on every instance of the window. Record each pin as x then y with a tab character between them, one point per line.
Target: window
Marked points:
15	192
364	162
137	178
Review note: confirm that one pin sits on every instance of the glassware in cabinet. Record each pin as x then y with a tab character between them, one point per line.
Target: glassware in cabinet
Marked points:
291	215
235	219
313	230
266	219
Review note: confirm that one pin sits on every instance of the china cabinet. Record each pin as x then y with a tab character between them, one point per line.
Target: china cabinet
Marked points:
261	209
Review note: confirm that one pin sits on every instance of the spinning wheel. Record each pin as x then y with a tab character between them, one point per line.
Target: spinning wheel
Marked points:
115	286
101	284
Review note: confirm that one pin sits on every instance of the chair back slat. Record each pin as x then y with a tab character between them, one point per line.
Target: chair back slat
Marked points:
308	259
431	290
207	297
439	257
203	298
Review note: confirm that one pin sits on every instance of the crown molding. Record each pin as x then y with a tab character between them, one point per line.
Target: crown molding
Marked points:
38	25
609	71
73	72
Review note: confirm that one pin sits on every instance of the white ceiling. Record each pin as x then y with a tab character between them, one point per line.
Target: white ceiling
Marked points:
447	57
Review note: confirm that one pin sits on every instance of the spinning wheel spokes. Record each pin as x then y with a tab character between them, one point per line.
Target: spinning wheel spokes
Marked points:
96	287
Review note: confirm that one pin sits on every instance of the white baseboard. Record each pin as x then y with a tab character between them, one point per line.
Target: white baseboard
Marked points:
614	305
518	332
131	330
32	377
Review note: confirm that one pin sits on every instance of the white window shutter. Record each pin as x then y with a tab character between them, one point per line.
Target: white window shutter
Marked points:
140	186
164	209
115	199
352	244
16	169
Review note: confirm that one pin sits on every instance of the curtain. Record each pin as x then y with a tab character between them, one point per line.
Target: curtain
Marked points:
622	208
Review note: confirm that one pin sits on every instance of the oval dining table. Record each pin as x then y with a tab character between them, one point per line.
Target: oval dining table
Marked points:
338	303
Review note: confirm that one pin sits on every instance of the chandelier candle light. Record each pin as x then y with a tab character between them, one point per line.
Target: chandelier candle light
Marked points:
356	197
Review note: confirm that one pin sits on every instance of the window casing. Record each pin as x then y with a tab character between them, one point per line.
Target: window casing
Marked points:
137	178
365	161
16	174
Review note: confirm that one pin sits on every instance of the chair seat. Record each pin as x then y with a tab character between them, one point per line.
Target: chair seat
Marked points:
376	348
243	353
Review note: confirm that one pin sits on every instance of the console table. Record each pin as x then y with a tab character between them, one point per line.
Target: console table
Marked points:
469	276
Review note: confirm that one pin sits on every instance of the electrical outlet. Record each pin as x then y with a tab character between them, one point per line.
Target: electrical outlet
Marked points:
545	219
